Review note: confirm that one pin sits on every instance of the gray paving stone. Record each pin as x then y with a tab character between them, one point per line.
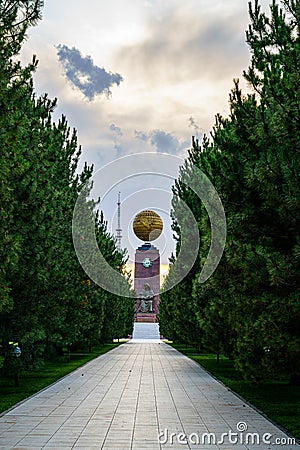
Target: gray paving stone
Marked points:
126	398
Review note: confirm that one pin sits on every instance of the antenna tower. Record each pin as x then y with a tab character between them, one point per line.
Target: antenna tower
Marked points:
119	230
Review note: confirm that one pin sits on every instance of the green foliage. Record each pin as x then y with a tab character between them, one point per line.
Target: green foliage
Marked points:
250	307
118	310
46	299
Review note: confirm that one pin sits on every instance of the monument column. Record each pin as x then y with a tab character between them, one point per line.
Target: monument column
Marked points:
147	226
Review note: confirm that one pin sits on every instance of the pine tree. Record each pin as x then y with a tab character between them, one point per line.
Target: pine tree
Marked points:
47	302
15	17
249	308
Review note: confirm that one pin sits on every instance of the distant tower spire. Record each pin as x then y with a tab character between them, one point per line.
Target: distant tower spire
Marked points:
119	230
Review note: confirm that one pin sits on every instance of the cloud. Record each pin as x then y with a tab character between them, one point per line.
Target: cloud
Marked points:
116	129
193	124
140	135
119	148
187	45
85	75
162	142
197	132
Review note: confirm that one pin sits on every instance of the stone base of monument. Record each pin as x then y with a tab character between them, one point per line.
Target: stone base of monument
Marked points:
145	317
147	282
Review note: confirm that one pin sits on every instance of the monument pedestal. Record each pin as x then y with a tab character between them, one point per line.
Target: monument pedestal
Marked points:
146	318
147	272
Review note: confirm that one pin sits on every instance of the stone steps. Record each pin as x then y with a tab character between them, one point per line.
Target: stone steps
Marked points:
144	330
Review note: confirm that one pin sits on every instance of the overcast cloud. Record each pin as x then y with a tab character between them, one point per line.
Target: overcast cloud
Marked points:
160	63
184	48
138	76
163	142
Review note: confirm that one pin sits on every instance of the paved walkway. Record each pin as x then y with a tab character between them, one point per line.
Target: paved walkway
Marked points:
125	398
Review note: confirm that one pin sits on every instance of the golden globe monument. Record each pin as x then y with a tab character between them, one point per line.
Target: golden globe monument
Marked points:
147	226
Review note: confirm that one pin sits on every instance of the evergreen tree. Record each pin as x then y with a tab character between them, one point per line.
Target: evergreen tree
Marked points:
15	17
118	309
47	301
249	308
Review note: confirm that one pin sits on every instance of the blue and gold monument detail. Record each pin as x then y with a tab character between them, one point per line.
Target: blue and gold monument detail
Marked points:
147	226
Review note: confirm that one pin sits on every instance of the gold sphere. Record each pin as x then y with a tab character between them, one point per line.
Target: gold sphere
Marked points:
147	225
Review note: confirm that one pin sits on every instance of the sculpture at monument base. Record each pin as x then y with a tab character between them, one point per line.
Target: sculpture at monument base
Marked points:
146	299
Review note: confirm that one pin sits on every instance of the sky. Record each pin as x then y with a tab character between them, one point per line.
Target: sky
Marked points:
139	76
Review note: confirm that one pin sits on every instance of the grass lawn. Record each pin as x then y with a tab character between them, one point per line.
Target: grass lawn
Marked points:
35	380
276	399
